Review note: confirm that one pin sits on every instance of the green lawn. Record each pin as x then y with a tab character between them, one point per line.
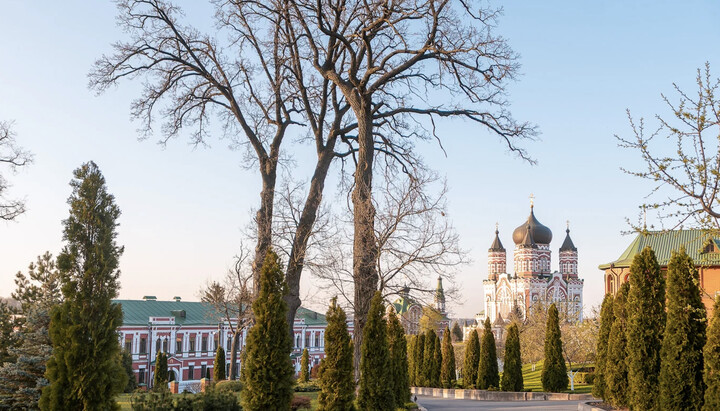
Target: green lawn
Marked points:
124	399
531	380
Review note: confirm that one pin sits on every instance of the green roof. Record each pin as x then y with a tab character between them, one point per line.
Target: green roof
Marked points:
138	312
665	242
403	304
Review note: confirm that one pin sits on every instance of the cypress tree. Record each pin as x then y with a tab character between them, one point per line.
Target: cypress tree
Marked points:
127	366
472	360
606	321
398	360
488	374
447	372
85	370
219	366
457	334
336	375
554	374
616	370
437	362
375	386
512	378
161	371
645	325
411	345
681	364
429	359
267	373
712	361
419	360
305	366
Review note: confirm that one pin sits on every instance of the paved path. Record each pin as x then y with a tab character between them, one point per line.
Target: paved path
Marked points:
446	404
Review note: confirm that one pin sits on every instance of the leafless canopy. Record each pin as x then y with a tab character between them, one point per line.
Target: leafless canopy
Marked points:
685	172
13	157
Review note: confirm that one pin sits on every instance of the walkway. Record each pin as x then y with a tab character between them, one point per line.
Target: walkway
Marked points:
445	404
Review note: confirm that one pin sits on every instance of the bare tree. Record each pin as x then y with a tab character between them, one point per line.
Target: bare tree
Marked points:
232	300
12	156
579	340
686	173
400	65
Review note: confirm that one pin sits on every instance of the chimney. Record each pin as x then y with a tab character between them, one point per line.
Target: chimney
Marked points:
176	298
149	298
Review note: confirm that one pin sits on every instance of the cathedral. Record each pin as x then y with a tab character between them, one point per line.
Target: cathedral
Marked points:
531	279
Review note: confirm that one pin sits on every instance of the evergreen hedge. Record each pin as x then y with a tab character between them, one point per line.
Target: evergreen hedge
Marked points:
472	360
554	374
512	378
305	366
375	391
488	374
219	366
419	360
616	370
437	363
606	321
336	376
398	360
447	372
428	368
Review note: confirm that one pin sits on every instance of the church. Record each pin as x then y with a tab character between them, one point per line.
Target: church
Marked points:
531	279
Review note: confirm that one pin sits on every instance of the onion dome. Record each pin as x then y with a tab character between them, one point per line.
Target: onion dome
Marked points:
567	245
528	241
539	233
497	245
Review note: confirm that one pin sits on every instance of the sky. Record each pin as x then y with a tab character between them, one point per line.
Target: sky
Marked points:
185	208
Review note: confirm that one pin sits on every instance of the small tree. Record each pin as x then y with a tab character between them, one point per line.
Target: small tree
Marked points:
512	378
457	334
616	370
219	366
681	369
646	322
411	345
161	371
398	360
472	360
375	386
305	366
447	373
267	373
336	376
429	361
712	361
606	320
554	374
420	360
488	374
437	362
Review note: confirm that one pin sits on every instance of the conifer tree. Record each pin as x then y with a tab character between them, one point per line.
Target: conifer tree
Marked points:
398	360
428	369
616	370
161	371
512	378
554	374
375	391
711	354
411	345
645	325
447	373
267	373
336	376
437	362
488	374
85	370
127	366
219	366
419	360
681	364
305	366
457	334
472	360
606	321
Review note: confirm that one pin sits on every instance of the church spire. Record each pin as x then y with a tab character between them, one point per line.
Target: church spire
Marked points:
497	244
440	296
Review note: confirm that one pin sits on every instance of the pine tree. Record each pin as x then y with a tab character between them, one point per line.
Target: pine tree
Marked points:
267	374
375	391
8	337
554	374
457	334
127	366
437	362
85	370
398	360
711	354
428	367
616	370
160	379
219	365
305	366
447	373
336	376
512	378
681	363
472	360
488	374
645	325
606	321
411	345
419	360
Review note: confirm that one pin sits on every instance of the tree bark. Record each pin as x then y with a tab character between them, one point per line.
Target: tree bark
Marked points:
268	171
233	374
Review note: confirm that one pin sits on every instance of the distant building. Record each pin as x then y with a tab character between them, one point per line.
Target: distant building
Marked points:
700	245
190	333
411	311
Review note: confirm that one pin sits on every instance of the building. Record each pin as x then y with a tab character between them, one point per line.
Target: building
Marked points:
700	245
410	311
530	279
190	332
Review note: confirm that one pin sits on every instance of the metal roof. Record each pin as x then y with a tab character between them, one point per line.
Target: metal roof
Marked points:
663	243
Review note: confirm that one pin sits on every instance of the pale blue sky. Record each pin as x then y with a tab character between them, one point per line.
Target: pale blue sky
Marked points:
583	64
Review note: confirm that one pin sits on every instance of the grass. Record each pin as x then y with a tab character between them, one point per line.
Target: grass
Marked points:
313	398
531	380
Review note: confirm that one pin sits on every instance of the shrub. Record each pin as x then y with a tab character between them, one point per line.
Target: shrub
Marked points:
314	371
228	386
584	377
311	386
164	400
300	403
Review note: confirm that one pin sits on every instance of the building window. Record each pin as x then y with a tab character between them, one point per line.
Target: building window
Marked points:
143	345
178	343
229	344
141	376
204	343
165	345
203	371
157	345
128	346
192	343
191	372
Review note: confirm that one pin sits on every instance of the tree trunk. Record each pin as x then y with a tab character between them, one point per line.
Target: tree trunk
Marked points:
364	245
303	232
233	374
268	171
